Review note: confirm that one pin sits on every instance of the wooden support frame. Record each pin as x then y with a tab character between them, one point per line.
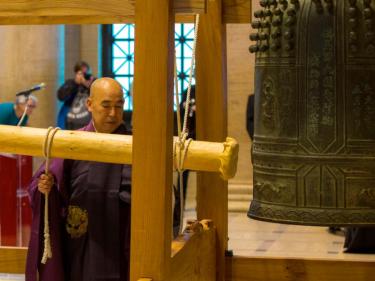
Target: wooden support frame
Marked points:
236	11
211	99
13	259
81	12
242	268
194	253
109	11
237	268
152	149
152	260
293	269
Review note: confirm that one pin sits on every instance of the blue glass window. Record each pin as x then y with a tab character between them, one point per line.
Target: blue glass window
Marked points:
122	56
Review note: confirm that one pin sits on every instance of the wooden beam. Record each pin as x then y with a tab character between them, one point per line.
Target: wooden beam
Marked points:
13	260
151	224
211	108
114	11
236	11
206	156
80	12
110	19
194	255
288	269
249	268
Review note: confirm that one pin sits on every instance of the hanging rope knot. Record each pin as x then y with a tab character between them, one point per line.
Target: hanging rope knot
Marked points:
47	145
180	151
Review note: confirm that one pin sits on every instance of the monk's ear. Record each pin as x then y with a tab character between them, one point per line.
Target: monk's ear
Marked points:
89	104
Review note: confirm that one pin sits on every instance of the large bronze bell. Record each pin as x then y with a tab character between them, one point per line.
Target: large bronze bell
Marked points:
314	143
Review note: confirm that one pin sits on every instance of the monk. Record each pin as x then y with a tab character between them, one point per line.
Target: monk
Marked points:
89	206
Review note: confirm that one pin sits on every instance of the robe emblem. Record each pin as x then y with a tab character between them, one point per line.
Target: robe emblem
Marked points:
76	222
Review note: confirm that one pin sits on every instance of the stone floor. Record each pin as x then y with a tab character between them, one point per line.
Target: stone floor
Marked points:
251	238
248	237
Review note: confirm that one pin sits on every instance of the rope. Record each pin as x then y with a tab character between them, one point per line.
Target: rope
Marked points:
183	143
187	103
177	98
47	145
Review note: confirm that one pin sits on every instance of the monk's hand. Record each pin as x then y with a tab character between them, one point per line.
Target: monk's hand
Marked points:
45	183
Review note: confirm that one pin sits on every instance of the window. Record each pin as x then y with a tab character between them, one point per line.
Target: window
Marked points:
118	55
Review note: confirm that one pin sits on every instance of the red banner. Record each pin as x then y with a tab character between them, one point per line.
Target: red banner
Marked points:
15	212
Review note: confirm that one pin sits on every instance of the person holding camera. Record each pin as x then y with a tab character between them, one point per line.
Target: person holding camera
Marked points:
74	93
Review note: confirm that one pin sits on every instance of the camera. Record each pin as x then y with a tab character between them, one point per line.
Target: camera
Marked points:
87	76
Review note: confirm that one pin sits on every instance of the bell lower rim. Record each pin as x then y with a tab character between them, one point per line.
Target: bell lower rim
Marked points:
311	216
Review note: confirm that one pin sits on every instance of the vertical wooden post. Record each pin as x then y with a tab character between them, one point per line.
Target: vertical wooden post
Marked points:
211	98
152	148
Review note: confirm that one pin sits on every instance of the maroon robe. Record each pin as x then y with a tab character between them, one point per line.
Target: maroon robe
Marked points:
102	192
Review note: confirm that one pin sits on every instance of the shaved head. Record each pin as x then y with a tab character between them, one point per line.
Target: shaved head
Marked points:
106	103
102	85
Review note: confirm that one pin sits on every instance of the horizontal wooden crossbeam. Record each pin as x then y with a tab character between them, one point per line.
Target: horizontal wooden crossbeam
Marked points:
249	268
236	11
239	268
105	12
12	260
81	12
110	148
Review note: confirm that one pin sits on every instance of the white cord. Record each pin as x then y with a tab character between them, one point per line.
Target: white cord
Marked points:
183	143
24	113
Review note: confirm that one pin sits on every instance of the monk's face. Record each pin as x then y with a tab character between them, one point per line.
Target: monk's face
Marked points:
106	104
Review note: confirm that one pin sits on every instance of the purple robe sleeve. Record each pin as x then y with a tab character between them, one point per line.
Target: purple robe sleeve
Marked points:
54	268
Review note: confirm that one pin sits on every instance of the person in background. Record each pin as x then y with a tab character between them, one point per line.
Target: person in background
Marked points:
360	240
74	93
11	112
250	122
250	116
